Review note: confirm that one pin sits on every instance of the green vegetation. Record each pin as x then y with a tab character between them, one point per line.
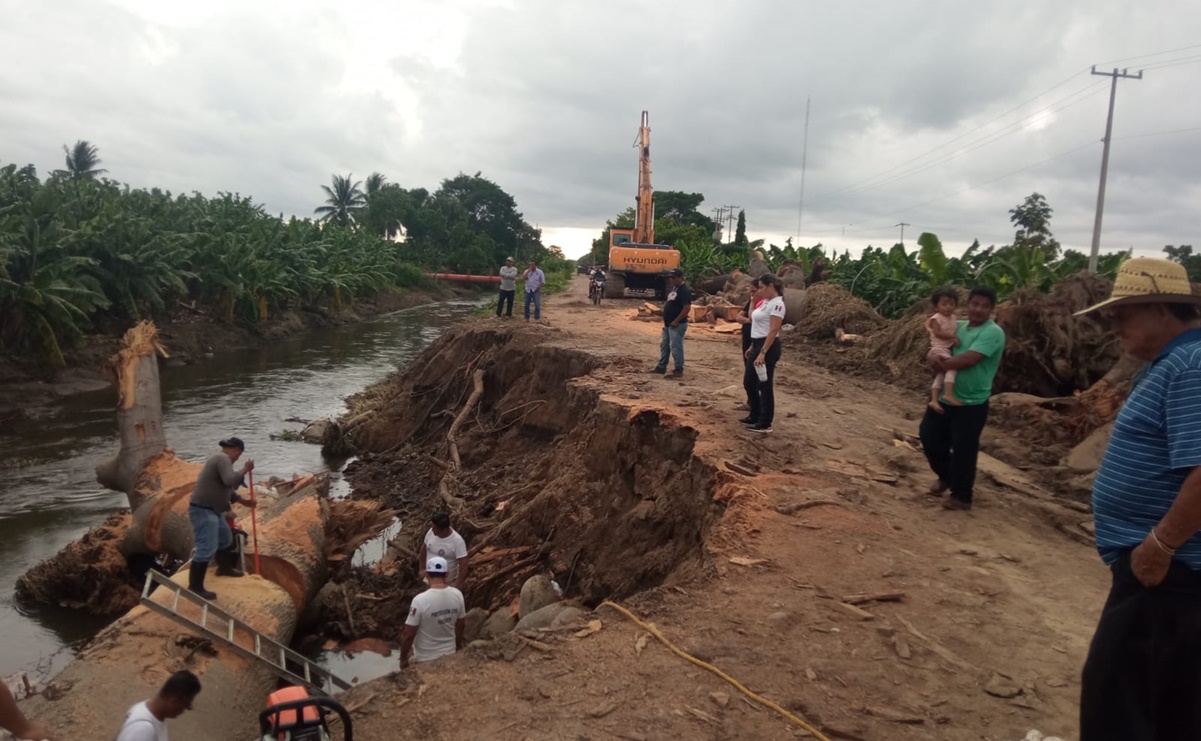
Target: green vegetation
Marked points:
891	279
79	251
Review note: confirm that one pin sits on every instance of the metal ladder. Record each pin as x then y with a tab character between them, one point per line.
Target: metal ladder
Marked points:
275	656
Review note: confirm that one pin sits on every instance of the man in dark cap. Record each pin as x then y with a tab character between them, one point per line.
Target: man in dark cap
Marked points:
675	323
216	490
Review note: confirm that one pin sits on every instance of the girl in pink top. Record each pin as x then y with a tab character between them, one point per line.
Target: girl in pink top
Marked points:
942	326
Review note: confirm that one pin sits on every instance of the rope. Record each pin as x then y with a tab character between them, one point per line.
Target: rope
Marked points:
704	665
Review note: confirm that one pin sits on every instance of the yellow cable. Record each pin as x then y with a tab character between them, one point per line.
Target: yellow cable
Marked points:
737	685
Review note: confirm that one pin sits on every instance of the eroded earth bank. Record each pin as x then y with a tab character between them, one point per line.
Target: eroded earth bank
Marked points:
810	565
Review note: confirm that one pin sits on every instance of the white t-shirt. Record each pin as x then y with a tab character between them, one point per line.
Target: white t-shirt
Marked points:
452	548
761	317
435	612
141	725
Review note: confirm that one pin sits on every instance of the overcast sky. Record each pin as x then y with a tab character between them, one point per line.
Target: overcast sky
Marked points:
269	97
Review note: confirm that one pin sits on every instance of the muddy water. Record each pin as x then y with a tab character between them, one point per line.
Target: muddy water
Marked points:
48	491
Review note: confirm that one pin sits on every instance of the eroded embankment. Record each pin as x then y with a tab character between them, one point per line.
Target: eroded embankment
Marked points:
604	495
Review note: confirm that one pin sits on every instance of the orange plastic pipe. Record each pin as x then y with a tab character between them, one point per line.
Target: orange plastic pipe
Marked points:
464	277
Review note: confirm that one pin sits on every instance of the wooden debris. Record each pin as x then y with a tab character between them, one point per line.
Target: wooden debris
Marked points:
788	509
538	645
594	626
893	716
603	710
945	653
744	561
640	643
702	715
855	611
859	599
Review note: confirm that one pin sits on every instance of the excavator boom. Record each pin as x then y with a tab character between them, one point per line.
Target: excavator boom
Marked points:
644	220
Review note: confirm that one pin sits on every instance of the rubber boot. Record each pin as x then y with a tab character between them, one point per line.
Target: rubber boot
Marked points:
196	580
227	563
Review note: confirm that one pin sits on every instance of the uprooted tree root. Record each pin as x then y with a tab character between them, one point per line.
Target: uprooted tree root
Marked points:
89	574
551	477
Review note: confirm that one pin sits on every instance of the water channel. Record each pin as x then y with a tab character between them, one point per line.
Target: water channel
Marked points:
48	490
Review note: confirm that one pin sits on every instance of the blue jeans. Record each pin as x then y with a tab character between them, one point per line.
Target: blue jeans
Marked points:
672	343
209	534
536	297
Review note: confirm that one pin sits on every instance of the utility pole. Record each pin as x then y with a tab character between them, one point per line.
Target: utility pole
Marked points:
730	212
903	225
804	157
1113	91
720	214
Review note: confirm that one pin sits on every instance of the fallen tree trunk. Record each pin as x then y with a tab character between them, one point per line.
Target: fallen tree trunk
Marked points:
130	659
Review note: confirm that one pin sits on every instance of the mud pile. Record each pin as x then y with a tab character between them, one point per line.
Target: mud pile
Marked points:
828	307
605	497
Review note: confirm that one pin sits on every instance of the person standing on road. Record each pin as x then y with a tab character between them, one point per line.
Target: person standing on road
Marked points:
15	722
442	540
1142	678
675	323
758	376
951	438
508	288
744	318
534	280
147	721
437	616
216	489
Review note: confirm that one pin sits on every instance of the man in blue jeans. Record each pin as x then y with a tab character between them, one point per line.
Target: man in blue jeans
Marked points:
675	324
534	280
216	489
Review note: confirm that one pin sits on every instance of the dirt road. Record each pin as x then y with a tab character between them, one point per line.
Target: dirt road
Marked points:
983	639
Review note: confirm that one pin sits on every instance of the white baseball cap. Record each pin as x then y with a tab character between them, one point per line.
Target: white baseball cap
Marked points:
436	565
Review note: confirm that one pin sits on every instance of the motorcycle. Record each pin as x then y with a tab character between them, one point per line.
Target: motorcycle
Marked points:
596	289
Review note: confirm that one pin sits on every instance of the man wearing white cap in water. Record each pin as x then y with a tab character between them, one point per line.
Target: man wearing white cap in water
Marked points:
434	627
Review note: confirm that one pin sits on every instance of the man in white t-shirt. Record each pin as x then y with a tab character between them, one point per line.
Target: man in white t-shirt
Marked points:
147	721
434	627
441	540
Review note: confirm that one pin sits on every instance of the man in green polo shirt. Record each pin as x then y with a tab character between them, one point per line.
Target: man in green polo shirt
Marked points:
951	437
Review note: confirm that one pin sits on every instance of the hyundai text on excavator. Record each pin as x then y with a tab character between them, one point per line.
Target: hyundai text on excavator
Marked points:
635	261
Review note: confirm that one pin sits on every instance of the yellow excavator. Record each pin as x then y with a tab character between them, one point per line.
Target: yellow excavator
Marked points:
635	261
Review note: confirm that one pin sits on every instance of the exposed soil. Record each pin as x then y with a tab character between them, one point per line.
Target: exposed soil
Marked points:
630	486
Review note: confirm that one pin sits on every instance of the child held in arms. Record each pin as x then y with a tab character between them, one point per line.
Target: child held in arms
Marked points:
942	327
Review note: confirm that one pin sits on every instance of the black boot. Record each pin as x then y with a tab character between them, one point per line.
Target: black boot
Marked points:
196	580
227	563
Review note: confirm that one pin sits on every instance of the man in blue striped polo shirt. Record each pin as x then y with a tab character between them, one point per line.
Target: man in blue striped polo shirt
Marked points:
1142	679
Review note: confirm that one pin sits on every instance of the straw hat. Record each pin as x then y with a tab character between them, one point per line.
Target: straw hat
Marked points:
1148	280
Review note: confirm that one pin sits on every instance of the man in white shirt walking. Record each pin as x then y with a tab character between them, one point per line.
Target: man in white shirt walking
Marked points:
441	540
147	721
434	627
508	288
534	280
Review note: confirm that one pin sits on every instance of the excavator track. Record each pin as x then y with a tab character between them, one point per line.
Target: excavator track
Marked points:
615	286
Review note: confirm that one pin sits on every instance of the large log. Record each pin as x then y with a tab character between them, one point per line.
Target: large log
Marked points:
130	659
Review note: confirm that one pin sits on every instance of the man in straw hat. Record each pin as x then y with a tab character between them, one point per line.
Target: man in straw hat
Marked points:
1142	679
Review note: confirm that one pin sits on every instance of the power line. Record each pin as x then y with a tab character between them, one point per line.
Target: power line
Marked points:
949	142
1173	62
1157	133
1009	130
1146	56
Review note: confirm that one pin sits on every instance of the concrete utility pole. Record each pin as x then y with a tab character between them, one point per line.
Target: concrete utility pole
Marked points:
1113	91
804	159
720	214
731	212
903	225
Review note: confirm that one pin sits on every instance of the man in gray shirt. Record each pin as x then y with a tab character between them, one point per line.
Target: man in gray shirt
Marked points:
508	288
216	490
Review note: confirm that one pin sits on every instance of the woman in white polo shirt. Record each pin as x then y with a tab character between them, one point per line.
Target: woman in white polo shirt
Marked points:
762	355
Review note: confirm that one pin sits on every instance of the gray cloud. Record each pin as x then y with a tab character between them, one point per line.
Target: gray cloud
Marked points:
544	98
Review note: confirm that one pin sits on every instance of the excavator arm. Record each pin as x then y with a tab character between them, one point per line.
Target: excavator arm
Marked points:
644	220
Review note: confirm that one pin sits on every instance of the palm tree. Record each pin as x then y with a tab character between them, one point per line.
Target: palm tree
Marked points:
342	200
375	181
83	161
